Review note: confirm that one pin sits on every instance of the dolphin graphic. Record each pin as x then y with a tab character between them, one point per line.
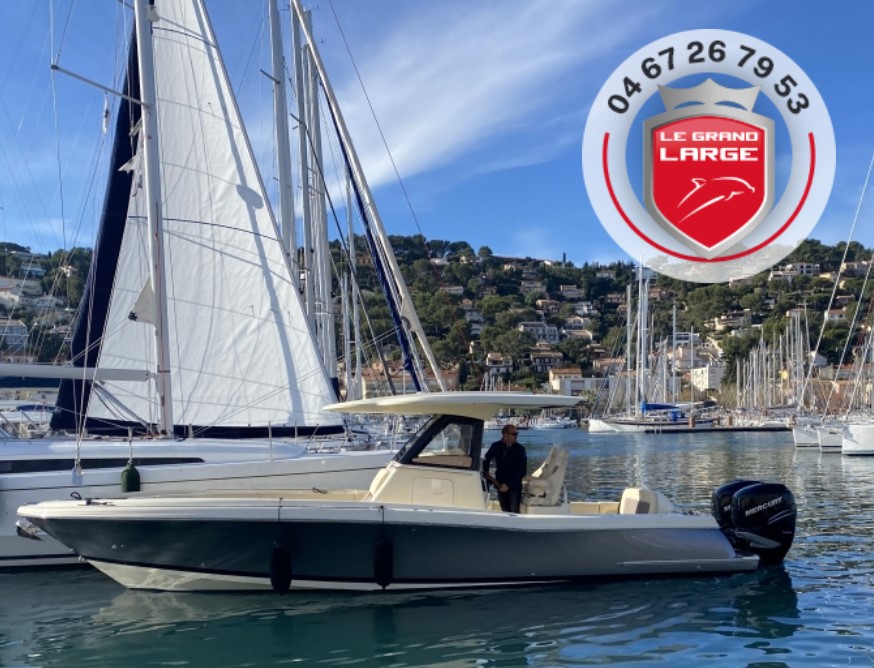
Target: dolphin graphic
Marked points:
712	191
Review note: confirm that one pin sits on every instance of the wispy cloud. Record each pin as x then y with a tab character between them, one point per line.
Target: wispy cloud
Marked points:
451	80
486	72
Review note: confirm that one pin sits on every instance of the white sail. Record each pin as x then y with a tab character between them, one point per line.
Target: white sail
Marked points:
241	351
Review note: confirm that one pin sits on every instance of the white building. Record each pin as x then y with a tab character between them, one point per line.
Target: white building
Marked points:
707	377
542	332
13	333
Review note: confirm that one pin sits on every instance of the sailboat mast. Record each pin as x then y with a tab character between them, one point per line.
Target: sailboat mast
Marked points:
321	271
673	354
283	144
152	187
356	318
303	149
629	406
408	312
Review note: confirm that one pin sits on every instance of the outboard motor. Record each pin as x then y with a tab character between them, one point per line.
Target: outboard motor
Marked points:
761	520
720	506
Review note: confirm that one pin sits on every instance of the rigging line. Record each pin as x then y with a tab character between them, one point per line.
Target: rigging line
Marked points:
375	119
838	276
345	248
66	26
23	37
58	156
348	249
852	327
860	364
54	94
437	275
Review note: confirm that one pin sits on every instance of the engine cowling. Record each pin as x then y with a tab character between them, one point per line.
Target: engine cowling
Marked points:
757	517
720	505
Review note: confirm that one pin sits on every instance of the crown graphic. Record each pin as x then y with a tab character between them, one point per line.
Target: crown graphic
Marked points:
709	93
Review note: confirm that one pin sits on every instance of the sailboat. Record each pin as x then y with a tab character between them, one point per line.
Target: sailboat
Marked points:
194	367
645	416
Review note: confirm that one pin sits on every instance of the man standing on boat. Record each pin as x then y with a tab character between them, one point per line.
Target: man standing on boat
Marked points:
511	466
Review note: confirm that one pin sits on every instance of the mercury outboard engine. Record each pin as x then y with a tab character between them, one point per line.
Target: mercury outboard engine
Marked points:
721	504
757	517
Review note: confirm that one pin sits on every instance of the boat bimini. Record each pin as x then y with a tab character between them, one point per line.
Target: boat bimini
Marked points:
425	522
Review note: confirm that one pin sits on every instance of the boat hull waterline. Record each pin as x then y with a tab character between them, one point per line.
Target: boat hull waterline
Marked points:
280	544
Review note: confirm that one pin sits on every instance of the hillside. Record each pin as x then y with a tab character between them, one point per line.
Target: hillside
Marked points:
472	303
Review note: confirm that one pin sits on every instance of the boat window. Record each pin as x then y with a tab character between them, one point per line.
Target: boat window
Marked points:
43	465
416	437
450	446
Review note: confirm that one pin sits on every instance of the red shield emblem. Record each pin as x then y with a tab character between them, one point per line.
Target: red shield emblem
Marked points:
709	167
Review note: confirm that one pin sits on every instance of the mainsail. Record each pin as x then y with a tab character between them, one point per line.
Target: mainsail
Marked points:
242	357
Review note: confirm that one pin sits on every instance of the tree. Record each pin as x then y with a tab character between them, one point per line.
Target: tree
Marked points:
491	305
754	301
574	349
736	348
514	343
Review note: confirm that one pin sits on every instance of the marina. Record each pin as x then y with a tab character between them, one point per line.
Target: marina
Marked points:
814	610
199	451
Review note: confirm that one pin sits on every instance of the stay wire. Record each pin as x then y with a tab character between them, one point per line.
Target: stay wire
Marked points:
856	215
376	122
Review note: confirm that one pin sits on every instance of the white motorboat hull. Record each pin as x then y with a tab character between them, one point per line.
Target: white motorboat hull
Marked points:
250	543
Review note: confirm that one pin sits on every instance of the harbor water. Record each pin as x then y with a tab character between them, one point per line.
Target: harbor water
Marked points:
815	610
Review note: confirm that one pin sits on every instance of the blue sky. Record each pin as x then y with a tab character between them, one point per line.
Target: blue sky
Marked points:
482	103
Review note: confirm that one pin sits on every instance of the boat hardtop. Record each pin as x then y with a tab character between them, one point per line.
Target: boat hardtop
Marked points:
480	405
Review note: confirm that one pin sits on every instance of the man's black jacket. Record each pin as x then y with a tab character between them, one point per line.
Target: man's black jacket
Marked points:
511	463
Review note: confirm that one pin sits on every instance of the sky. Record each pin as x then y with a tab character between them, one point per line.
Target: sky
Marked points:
468	115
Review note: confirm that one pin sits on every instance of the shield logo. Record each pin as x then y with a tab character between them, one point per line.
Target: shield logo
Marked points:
709	166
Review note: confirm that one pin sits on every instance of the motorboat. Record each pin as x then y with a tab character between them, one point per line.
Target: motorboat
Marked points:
426	521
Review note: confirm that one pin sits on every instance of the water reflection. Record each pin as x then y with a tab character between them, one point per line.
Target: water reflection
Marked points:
649	620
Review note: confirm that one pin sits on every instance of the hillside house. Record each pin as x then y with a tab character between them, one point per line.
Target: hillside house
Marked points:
803	268
526	287
542	332
498	364
13	334
708	377
585	308
544	358
569	381
548	305
577	322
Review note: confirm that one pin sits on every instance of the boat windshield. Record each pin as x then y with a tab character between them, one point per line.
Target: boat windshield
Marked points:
451	446
416	437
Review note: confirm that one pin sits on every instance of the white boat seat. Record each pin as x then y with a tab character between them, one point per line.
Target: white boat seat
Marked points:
640	501
544	486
